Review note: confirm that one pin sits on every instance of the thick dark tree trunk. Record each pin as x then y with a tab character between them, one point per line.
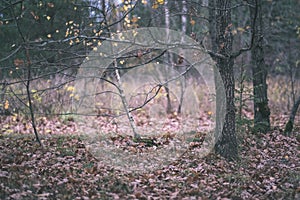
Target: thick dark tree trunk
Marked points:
226	145
221	38
259	70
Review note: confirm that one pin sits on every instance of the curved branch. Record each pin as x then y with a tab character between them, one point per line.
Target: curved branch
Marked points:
253	35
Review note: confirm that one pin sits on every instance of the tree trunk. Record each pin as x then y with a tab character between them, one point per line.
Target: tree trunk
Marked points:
289	126
183	32
168	58
221	38
136	136
259	71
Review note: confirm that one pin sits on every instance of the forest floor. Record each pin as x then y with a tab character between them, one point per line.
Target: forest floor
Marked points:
268	168
65	167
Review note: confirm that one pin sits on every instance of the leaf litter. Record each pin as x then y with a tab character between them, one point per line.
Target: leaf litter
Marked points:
65	168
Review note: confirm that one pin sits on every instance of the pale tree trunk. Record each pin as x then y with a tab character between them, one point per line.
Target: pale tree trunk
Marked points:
183	17
259	71
119	84
167	25
125	103
221	38
183	32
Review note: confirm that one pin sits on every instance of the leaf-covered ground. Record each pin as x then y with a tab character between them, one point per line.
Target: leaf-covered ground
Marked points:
64	169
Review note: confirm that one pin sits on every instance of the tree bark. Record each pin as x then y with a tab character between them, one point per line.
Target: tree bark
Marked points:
289	126
136	136
221	38
168	58
259	71
183	32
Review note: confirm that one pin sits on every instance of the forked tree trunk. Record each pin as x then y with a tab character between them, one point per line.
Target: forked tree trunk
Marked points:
259	71
221	38
136	136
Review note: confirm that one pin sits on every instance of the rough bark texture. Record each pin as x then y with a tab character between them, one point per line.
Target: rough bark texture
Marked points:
220	30
259	70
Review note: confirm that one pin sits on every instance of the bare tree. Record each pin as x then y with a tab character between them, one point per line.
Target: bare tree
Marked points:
259	71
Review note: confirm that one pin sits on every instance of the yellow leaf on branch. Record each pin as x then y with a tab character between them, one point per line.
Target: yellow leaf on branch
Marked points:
240	29
70	88
192	22
6	105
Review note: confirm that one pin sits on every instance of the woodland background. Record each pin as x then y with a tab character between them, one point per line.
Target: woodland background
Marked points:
255	45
